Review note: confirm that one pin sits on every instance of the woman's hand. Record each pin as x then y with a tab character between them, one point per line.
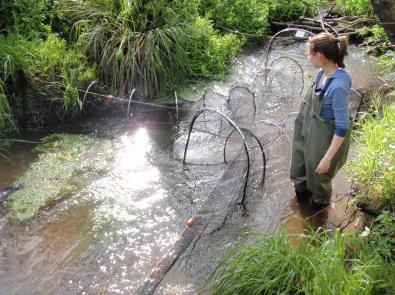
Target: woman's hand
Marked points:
323	166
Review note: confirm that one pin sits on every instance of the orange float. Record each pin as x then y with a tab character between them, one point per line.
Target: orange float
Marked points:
191	221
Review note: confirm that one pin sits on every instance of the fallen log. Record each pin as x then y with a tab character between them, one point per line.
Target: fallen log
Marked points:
360	22
295	25
314	25
306	20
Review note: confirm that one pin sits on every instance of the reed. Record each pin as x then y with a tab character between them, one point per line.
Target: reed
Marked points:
318	265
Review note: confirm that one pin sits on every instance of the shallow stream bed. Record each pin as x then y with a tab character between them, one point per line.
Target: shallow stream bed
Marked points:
121	219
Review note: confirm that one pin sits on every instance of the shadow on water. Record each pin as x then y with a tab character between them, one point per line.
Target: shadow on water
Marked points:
15	162
112	231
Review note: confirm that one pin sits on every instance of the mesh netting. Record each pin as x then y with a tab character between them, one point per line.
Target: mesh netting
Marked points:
242	139
239	177
242	103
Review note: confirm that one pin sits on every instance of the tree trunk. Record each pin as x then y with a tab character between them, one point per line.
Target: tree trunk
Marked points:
385	10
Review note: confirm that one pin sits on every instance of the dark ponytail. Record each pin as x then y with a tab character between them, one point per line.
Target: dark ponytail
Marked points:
334	49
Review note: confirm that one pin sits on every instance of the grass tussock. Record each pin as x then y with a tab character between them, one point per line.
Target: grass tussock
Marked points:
134	43
373	169
318	265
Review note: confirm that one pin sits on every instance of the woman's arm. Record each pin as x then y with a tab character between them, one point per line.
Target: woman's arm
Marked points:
325	163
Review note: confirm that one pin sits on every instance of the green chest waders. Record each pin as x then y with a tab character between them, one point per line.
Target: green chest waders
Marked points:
311	140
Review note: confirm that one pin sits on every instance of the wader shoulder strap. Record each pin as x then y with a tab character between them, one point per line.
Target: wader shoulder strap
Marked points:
322	93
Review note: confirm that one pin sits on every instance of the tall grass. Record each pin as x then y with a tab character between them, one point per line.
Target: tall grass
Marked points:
319	265
7	123
12	50
132	42
374	167
60	70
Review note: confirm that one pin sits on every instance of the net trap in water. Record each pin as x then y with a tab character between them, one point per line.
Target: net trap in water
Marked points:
243	137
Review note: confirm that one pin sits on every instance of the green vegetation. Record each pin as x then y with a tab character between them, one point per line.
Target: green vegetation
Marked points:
373	35
49	49
52	176
135	45
53	61
382	239
246	16
25	17
317	265
387	62
254	16
288	10
10	49
355	7
26	66
209	52
374	168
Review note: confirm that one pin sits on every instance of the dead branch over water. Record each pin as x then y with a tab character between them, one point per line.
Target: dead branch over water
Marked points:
345	25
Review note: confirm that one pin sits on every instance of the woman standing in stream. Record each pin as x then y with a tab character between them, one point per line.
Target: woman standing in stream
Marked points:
322	128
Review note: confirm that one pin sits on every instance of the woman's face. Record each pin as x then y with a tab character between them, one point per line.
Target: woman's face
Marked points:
315	58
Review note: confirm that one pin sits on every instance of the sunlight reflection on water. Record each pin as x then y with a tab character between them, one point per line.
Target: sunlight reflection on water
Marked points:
134	213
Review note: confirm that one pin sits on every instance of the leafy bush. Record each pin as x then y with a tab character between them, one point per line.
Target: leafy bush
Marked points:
355	7
374	168
318	265
246	16
53	61
254	16
288	10
25	17
209	53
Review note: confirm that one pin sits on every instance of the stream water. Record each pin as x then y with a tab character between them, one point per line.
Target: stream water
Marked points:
110	234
